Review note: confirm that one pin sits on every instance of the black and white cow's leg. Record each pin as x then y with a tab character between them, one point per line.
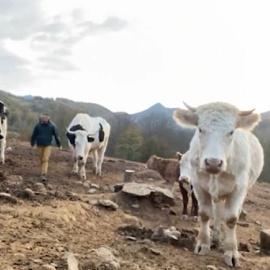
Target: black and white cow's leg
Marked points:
95	159
75	164
3	148
101	152
205	212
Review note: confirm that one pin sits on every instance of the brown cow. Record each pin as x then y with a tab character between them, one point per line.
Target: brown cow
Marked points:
169	169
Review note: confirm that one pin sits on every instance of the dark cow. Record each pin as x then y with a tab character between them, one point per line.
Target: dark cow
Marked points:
169	169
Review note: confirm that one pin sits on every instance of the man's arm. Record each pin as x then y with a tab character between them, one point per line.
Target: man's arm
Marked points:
33	136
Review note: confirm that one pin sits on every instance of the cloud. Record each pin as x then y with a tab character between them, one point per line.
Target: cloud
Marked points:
19	19
14	69
110	24
56	63
50	38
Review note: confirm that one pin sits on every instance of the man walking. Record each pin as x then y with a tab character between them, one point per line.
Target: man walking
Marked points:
42	136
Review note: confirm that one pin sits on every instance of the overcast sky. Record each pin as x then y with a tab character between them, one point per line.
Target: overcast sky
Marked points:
128	55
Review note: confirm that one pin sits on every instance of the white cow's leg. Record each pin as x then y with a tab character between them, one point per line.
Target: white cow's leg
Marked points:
205	212
3	147
95	158
218	211
101	152
231	213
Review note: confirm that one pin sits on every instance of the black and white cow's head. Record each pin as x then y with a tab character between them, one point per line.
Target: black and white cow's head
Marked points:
3	115
81	139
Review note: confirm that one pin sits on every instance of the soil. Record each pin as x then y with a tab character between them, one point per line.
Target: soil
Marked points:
37	228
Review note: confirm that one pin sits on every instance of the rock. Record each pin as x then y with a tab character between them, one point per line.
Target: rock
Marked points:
87	184
158	194
92	191
243	224
7	197
40	189
117	187
94	186
47	267
107	259
244	247
135	205
108	204
155	251
258	223
59	194
243	215
131	220
71	261
72	196
28	193
265	241
131	238
211	267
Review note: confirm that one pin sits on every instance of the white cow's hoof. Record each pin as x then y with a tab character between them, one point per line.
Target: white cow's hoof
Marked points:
202	249
184	217
231	258
195	218
74	172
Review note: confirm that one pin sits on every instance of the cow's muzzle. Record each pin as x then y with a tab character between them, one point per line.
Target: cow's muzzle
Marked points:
213	165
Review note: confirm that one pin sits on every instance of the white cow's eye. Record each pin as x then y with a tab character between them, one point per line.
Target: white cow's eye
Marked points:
231	132
200	130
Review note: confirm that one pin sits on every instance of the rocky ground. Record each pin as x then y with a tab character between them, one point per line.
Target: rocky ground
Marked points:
68	221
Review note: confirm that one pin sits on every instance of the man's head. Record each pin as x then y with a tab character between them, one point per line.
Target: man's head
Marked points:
44	118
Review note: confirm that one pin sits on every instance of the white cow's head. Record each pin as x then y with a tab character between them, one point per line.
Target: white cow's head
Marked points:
184	167
216	125
81	142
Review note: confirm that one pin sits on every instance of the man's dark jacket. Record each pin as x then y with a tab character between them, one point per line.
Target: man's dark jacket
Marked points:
43	134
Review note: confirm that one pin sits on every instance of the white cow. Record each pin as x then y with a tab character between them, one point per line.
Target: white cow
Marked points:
3	130
226	160
87	135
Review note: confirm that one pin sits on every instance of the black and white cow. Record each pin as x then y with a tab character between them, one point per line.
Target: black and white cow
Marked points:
3	130
87	135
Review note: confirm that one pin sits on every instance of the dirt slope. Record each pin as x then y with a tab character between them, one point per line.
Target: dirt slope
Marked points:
38	229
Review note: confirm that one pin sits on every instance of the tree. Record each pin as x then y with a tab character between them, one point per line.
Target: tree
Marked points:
129	145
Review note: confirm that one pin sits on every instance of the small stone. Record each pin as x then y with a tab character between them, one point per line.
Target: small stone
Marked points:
211	267
243	224
155	251
92	191
108	204
94	186
28	193
48	267
265	241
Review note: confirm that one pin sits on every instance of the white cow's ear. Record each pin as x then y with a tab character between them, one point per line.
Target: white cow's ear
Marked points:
179	155
249	122
185	117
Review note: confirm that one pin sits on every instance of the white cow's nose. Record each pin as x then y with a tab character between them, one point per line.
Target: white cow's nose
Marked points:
80	158
213	165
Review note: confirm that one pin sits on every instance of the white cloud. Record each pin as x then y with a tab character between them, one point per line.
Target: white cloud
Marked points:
128	55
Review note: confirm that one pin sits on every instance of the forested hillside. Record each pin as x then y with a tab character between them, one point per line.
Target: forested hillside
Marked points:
133	137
